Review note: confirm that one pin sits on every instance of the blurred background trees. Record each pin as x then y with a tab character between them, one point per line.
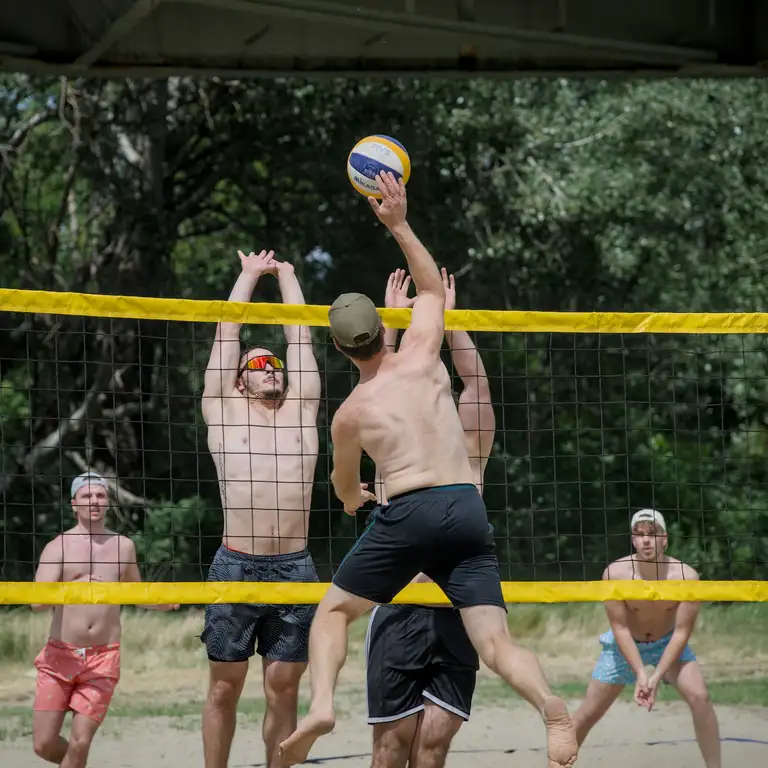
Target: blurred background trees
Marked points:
538	195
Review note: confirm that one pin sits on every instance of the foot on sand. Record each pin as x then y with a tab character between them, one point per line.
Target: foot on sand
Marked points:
562	747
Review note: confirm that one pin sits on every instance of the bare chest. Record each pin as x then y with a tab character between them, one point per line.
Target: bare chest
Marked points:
651	610
283	437
88	560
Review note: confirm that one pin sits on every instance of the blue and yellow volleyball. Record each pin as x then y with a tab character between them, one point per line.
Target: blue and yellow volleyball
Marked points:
373	155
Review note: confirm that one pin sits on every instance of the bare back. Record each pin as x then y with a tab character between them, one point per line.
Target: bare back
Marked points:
650	619
89	557
265	460
407	423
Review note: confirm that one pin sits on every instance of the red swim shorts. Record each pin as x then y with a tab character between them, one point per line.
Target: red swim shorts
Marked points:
80	679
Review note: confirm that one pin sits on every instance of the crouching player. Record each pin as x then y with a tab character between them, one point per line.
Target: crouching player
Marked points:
650	633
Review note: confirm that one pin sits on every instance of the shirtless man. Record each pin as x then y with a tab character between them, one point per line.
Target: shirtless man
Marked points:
402	414
262	433
79	666
421	666
650	633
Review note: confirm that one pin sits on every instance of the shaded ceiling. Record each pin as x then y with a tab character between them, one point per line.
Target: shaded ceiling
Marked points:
385	37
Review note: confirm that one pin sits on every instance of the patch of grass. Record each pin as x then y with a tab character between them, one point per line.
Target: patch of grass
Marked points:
248	709
162	639
164	661
745	693
730	640
157	639
16	722
22	635
535	620
15	726
175	635
153	639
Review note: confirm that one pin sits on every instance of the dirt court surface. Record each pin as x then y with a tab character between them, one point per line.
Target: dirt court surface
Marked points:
626	738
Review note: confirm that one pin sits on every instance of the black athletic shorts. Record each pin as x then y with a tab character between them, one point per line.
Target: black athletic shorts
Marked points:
234	632
414	653
442	532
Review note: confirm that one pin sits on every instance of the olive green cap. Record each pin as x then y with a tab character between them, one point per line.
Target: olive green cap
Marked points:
354	320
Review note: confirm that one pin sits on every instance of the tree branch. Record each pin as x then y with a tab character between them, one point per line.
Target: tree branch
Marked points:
67	427
18	137
129	409
76	421
202	190
55	227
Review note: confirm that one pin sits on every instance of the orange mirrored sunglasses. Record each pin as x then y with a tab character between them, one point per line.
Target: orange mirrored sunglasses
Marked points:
260	362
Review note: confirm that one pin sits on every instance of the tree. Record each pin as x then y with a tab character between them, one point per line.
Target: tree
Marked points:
549	195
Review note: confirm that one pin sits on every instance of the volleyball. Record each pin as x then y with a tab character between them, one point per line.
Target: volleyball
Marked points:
376	154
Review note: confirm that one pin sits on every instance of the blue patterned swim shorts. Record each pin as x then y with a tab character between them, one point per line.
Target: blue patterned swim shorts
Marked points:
234	632
613	668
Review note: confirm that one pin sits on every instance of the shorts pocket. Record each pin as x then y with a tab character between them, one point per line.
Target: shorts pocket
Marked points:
225	568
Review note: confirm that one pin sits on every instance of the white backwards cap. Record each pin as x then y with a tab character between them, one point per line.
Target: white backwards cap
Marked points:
648	516
87	478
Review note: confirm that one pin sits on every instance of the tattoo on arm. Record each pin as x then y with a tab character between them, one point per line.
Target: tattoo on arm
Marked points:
222	479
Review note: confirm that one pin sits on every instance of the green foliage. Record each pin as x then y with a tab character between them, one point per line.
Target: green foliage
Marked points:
176	541
550	195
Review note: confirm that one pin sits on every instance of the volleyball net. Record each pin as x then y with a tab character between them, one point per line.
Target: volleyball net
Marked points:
597	415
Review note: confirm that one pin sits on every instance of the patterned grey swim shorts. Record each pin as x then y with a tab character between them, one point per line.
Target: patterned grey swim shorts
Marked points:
234	632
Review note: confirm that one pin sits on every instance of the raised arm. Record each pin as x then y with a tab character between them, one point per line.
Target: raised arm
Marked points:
428	317
303	374
50	568
396	297
221	373
475	407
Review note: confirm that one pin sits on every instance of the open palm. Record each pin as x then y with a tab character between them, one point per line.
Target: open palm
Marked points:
449	284
393	206
396	295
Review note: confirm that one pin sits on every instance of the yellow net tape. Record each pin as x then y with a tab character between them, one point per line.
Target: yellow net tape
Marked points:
198	593
141	308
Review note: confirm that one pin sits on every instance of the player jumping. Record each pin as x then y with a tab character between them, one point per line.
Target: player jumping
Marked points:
79	666
402	414
647	633
262	434
421	666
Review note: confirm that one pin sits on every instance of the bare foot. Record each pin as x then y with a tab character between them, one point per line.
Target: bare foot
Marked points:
562	746
295	749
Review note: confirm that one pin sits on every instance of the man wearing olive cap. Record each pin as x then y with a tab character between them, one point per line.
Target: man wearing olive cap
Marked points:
402	414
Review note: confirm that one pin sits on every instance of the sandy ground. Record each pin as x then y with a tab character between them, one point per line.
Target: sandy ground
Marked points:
503	733
511	737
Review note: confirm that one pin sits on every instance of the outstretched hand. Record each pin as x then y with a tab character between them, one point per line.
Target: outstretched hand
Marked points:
393	206
396	295
449	285
262	264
